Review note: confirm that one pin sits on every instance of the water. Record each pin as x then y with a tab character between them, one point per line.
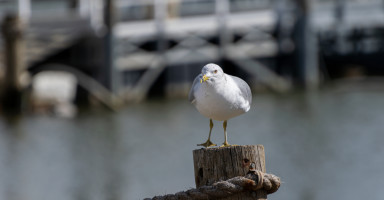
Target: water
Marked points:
323	145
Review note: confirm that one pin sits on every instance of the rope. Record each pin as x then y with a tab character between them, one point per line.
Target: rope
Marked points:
253	181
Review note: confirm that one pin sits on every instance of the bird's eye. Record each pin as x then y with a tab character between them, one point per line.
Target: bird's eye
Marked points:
215	71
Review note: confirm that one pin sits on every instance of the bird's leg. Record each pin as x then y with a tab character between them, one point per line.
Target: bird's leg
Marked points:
225	144
208	143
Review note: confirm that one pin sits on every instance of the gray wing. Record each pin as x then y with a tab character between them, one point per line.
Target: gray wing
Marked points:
191	96
244	88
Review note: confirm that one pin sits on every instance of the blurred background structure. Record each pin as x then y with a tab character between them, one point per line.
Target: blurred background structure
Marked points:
127	50
315	67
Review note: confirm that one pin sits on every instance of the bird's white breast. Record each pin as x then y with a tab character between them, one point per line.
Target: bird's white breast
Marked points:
213	103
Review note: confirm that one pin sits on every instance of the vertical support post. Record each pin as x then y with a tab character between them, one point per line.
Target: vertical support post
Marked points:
111	77
81	6
24	10
84	8
339	11
284	28
339	25
158	64
173	9
160	16
222	12
12	31
96	14
216	164
307	47
73	4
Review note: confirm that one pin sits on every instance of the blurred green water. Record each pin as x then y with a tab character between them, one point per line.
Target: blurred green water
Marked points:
324	145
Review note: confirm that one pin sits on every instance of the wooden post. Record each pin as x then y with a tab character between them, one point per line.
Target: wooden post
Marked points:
306	46
216	164
222	14
12	31
111	77
24	10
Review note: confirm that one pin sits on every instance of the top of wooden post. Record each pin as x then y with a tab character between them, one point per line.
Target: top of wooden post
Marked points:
222	163
226	162
243	164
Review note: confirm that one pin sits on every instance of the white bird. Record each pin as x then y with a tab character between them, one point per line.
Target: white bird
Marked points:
220	97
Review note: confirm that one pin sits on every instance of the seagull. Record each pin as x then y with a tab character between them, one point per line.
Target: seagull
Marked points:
219	96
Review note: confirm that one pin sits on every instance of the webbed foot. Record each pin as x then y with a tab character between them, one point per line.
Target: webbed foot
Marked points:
207	144
226	144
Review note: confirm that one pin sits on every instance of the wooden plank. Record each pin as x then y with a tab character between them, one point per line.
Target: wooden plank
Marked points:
182	26
141	60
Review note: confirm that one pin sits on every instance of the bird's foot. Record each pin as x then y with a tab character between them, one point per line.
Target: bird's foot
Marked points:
207	144
226	144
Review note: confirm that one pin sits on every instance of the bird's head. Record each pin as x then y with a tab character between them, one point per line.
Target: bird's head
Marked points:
211	73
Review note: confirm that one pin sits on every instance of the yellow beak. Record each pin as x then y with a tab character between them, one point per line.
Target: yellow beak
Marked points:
205	78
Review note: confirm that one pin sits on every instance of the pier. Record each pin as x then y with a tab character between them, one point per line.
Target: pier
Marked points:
128	48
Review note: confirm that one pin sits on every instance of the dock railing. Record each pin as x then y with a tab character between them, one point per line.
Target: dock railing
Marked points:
192	41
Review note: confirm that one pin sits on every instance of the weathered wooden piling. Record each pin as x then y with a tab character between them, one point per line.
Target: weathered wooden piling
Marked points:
229	173
217	164
12	32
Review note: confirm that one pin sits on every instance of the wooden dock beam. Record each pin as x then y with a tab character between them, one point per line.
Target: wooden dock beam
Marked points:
217	164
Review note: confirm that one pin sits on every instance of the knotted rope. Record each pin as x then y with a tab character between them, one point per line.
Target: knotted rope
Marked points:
254	180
